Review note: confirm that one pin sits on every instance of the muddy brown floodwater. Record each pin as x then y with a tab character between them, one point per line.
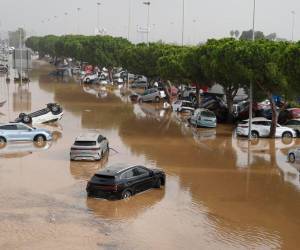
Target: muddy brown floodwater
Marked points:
218	195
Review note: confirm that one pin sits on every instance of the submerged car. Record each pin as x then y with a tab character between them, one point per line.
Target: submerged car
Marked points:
204	118
294	124
52	113
183	106
89	78
89	147
151	95
121	181
261	128
22	132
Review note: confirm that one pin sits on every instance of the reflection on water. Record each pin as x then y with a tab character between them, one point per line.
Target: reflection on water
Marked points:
22	149
21	98
220	194
125	209
83	170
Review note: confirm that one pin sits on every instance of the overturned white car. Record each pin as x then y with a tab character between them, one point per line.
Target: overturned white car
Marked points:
52	113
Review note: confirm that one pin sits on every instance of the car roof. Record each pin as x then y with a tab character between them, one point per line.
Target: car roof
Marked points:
87	137
116	169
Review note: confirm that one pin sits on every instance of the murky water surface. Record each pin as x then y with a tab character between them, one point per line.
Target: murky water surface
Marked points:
218	195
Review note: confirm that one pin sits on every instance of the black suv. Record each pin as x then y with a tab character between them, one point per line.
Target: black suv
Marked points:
121	181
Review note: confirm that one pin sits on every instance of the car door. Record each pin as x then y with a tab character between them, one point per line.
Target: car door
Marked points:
10	132
24	133
264	128
144	180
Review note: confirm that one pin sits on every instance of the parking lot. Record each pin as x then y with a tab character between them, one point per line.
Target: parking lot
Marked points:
219	193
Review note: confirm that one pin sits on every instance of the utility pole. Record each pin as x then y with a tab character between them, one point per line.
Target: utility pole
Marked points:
78	10
148	20
98	17
293	24
183	22
129	20
251	82
66	16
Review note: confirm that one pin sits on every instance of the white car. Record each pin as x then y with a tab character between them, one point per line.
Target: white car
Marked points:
261	128
183	106
89	147
52	113
90	78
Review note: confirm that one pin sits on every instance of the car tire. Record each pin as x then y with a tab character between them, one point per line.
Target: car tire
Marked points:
140	100
292	158
254	134
21	115
39	138
126	194
55	109
287	135
87	80
157	99
26	119
2	142
157	183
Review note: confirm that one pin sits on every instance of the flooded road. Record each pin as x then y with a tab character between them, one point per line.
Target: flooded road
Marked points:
218	194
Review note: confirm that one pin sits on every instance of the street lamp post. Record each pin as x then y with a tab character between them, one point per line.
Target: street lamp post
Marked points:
183	20
251	82
66	15
78	10
148	20
293	24
98	17
129	20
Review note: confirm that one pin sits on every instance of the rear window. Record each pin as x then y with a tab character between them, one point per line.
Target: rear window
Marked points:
110	177
85	143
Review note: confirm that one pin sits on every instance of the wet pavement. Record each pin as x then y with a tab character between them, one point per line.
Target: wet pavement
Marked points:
218	195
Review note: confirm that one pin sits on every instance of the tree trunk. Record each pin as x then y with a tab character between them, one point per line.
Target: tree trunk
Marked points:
230	94
274	116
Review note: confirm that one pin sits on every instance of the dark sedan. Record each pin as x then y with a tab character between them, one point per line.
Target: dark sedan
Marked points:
122	181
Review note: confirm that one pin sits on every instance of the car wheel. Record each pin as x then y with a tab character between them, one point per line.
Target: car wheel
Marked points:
157	99
39	138
140	100
287	135
21	115
26	119
87	80
157	183
2	142
55	109
254	134
292	157
126	194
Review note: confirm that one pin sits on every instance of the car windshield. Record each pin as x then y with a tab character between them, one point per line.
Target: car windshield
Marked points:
85	143
207	114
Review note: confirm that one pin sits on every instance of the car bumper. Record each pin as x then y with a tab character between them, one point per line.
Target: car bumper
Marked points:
97	193
84	157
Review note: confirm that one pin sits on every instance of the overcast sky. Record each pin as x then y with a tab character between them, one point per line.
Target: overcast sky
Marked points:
203	18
